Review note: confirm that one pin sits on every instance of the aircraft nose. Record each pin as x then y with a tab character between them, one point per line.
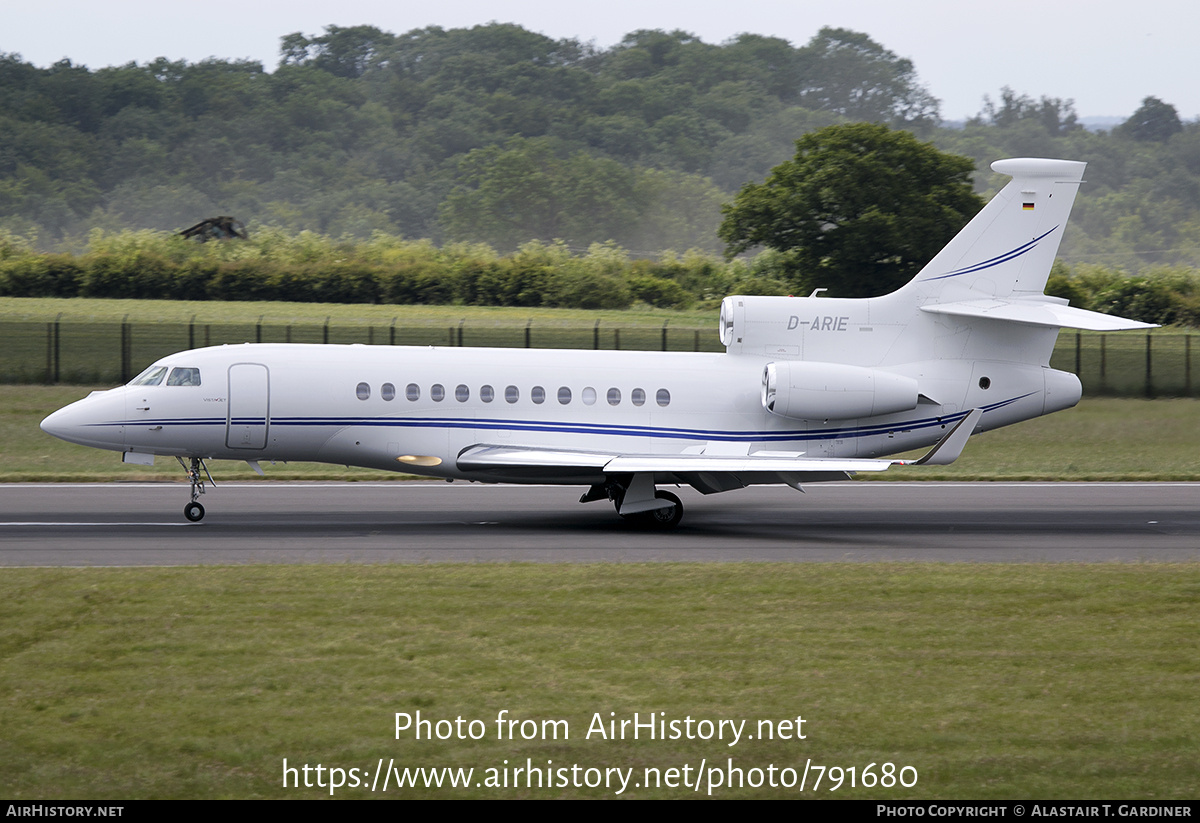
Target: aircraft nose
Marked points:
96	421
56	423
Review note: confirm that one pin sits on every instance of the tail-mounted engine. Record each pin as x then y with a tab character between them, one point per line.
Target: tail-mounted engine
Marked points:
832	391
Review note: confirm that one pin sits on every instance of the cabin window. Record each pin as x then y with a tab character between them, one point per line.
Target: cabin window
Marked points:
512	394
589	396
638	397
487	394
461	393
437	392
150	377
363	391
662	397
184	377
538	395
564	395
412	391
387	391
614	397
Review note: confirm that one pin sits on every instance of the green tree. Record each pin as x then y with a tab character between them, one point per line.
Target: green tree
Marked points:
1153	121
858	210
849	73
531	190
1055	115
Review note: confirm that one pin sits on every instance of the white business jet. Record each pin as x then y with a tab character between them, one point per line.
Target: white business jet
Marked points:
808	389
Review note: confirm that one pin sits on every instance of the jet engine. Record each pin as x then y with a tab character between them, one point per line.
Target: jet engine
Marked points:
832	391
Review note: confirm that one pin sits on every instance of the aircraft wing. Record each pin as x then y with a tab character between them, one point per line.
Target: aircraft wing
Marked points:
707	473
486	458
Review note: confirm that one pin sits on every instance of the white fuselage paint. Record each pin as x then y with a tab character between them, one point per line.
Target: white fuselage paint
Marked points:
301	403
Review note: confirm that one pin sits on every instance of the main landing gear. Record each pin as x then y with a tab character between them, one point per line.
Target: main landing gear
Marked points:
637	501
194	511
664	518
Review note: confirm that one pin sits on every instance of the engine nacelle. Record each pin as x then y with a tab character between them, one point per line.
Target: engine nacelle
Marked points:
832	391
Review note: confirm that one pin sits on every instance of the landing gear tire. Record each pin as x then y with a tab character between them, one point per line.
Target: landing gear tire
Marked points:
666	518
194	511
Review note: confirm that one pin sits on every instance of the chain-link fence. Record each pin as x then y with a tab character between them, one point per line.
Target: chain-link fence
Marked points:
1155	364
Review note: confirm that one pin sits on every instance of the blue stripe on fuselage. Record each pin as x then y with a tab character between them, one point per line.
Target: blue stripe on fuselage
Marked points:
500	424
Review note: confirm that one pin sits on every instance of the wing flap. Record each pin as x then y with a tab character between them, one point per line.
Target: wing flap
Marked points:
637	463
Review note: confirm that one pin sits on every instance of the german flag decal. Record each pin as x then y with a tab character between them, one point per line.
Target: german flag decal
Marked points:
1026	207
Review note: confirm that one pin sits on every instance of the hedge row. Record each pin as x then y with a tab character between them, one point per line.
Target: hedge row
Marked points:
491	284
1167	296
311	268
386	269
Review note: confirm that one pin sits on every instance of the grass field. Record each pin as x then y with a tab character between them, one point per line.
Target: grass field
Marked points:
1101	439
986	681
45	309
1021	681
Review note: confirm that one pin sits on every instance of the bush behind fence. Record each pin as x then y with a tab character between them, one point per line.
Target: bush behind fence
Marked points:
1157	364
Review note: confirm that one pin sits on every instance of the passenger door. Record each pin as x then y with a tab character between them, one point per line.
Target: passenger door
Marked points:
249	406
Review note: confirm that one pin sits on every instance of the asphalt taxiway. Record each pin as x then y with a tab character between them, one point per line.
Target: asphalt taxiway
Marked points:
138	524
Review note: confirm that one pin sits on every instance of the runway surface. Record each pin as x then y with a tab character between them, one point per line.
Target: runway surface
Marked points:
131	524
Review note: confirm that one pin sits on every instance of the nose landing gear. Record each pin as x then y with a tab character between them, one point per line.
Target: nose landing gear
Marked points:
194	511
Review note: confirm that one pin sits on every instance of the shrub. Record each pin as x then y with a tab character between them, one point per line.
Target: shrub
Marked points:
51	275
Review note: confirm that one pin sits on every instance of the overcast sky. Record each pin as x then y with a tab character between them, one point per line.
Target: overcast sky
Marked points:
1107	55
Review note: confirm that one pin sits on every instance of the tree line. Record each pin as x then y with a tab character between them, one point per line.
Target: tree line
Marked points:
491	133
502	136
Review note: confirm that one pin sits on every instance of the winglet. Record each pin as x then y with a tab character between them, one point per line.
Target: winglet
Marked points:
949	447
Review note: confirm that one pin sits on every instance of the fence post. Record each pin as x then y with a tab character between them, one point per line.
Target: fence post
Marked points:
1187	365
617	339
460	331
287	333
1149	372
57	347
664	335
192	332
696	342
1103	363
392	333
258	330
1079	352
596	336
126	345
527	333
325	336
49	352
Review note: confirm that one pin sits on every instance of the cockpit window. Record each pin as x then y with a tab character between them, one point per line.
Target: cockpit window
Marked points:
184	377
150	377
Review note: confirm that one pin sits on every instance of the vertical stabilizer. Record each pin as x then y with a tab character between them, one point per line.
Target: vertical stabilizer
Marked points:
1008	248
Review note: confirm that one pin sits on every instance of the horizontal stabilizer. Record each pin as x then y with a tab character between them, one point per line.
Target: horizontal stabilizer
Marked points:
1037	313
